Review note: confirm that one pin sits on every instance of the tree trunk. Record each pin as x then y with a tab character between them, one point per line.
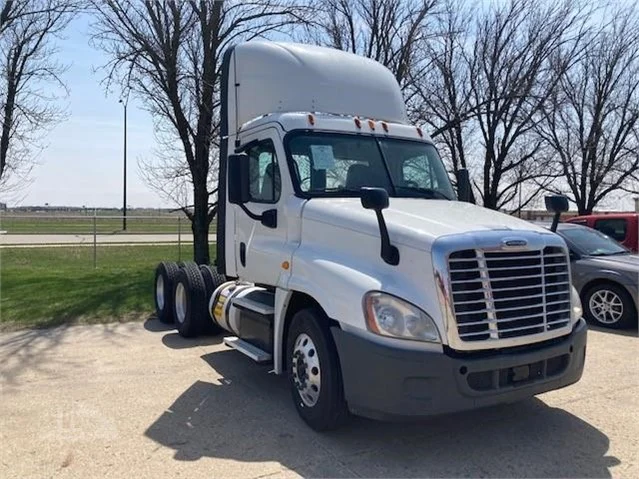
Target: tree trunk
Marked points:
200	223
7	124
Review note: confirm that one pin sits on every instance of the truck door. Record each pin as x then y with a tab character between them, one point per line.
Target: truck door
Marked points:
259	249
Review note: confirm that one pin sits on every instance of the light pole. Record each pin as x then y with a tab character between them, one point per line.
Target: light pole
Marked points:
124	103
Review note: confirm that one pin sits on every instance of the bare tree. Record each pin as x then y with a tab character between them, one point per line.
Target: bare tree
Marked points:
592	123
29	75
443	95
391	32
168	54
519	55
493	68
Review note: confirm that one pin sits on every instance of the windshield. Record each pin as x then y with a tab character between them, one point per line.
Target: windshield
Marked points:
592	242
339	165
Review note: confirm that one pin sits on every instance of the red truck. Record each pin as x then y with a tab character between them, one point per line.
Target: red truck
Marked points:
622	227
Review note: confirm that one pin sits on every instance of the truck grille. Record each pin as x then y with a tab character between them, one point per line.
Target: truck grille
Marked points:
499	295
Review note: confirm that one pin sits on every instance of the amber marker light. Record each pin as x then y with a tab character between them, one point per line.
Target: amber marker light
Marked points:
370	314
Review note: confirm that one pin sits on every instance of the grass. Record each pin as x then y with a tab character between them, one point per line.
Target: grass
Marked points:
42	287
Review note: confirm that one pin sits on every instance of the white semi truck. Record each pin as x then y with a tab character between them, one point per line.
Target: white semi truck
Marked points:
346	260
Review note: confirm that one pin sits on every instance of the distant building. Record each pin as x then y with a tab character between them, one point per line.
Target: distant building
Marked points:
542	215
3	207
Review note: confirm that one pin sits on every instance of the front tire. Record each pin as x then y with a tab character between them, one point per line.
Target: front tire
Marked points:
314	372
610	306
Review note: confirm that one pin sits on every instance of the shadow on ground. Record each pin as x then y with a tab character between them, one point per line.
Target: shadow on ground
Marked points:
250	417
630	332
27	352
173	339
154	325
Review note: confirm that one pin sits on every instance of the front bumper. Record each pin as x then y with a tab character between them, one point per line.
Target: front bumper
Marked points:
389	383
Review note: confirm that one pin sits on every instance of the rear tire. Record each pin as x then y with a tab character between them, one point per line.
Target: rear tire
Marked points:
190	309
610	306
212	279
165	276
314	372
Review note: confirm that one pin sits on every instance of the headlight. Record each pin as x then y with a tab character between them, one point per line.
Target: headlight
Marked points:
390	316
576	311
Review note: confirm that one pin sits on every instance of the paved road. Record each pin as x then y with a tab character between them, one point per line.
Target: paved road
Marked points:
71	239
135	400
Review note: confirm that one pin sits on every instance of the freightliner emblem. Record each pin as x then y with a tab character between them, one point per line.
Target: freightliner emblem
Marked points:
514	243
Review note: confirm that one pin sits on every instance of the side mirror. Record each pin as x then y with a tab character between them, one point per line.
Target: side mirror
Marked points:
374	198
556	204
238	180
464	190
377	199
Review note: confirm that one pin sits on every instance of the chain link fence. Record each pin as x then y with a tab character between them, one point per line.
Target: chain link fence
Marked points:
87	235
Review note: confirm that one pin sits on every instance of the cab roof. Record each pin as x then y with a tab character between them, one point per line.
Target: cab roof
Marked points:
273	77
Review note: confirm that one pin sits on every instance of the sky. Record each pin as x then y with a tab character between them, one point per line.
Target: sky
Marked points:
82	162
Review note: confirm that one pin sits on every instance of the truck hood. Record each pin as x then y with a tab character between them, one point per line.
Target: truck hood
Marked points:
625	262
413	222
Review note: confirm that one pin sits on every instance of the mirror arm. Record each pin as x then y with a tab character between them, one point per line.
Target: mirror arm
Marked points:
555	221
250	214
268	218
389	253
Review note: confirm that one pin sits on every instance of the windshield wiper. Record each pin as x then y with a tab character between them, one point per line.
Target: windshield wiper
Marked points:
430	192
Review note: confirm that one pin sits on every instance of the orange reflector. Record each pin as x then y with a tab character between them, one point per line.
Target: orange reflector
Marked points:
286	265
358	123
311	119
385	126
371	124
419	132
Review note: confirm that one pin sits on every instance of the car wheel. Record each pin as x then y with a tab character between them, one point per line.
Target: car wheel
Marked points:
314	372
165	275
189	303
610	306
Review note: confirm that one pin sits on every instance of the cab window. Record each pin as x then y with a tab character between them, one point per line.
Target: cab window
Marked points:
264	172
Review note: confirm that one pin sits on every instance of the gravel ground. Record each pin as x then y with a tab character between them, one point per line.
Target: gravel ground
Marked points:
136	400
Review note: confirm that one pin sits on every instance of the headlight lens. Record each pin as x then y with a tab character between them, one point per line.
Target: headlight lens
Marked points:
388	315
576	311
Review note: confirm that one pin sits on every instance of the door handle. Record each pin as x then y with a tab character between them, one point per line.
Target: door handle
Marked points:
243	254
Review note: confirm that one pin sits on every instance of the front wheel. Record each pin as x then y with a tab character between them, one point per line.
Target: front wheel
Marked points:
314	372
610	306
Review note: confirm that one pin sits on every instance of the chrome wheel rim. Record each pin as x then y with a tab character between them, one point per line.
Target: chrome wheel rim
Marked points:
159	292
606	306
180	302
306	370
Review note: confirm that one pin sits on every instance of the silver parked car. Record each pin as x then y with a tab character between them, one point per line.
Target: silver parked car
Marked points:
606	275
